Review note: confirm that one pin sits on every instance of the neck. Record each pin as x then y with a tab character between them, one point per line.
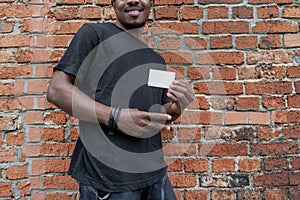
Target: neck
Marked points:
136	32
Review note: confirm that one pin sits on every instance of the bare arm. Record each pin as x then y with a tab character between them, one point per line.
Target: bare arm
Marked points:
65	95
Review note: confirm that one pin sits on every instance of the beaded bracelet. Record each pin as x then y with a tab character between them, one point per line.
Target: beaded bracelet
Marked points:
113	117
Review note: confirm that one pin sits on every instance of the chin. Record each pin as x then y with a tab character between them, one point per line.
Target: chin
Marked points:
133	25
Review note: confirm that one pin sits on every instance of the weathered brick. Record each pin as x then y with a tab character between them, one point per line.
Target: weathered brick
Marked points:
275	194
247	103
276	27
218	58
183	180
242	12
225	27
196	165
249	165
6	189
223	42
65	13
268	87
270	1
224	181
274	149
291	12
271	179
218	88
90	12
249	194
169	12
223	165
274	57
17	172
229	149
191	12
267	12
16	138
217	12
219	194
270	42
60	182
196	194
171	43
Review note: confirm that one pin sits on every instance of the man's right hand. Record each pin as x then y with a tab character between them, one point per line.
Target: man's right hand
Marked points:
138	123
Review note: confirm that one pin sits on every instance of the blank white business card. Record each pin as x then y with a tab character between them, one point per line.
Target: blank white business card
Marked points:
159	78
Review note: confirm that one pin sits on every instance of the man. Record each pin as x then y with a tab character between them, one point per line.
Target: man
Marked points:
102	80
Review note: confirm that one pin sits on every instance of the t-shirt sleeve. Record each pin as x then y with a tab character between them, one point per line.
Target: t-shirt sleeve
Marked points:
84	41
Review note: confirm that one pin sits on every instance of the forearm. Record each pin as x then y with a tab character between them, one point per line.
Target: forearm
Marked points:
70	99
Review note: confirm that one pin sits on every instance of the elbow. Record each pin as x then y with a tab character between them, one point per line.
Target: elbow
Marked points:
51	94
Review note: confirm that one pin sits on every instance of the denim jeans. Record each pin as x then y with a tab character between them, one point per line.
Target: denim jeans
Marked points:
161	190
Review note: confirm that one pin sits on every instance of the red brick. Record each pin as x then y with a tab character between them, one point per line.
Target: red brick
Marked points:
167	135
279	87
271	179
178	57
55	134
294	178
246	42
31	150
223	165
74	133
242	12
183	180
60	182
220	195
103	2
7	155
57	149
195	42
270	1
53	41
294	193
218	88
294	72
249	164
236	118
217	12
291	12
198	73
291	132
175	27
199	103
273	164
249	194
65	13
219	2
297	86
229	149
276	27
174	164
189	133
179	70
191	12
295	163
196	165
42	71
271	102
196	194
35	134
292	40
267	12
219	58
6	189
66	2
272	194
7	26
12	72
169	43
16	138
49	166
55	118
216	132
90	12
17	172
225	27
12	88
247	103
259	118
270	42
287	116
7	124
272	149
294	101
223	42
179	149
33	117
109	13
169	12
6	56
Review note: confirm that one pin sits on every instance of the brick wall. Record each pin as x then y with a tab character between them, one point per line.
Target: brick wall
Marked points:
238	140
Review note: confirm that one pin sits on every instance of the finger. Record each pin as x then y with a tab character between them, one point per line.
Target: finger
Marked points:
159	117
179	97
